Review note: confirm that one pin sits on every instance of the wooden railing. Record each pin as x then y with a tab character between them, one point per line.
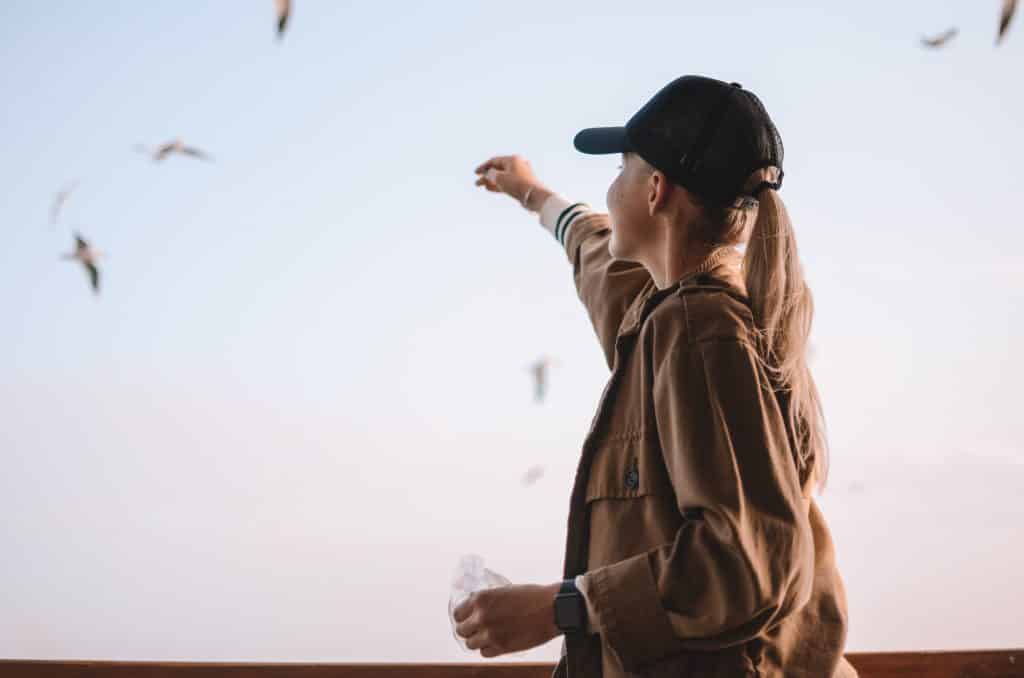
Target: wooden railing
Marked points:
970	664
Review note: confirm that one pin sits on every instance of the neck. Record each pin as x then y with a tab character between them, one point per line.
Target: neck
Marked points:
674	258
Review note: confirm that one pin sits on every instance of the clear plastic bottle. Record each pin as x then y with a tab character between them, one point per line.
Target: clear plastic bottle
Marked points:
470	576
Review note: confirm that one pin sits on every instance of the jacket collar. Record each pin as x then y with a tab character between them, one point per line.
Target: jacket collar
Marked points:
726	270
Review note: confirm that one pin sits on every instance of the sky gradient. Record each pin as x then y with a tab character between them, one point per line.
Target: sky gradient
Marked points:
302	393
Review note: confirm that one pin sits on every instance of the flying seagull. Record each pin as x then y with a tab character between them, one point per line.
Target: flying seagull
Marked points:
1009	6
540	368
176	146
87	255
284	8
532	475
59	200
940	40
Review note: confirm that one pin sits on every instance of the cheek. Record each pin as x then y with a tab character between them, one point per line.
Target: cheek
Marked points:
619	217
611	197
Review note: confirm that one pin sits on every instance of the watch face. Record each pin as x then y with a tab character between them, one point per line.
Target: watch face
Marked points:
568	611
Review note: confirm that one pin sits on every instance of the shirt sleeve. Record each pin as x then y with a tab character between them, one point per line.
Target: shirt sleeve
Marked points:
557	215
743	557
583	585
605	285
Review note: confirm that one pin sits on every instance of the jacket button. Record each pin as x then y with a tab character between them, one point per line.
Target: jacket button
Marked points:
632	477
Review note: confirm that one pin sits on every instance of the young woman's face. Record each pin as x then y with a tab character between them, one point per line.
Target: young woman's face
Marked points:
627	205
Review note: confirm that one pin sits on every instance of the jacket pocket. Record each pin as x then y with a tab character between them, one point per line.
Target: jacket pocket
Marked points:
630	500
625	467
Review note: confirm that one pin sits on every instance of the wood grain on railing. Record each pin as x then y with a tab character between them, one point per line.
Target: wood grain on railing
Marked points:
967	664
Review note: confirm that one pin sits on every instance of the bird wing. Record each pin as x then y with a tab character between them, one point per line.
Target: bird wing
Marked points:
195	152
60	199
94	275
163	150
284	8
531	476
940	40
1009	7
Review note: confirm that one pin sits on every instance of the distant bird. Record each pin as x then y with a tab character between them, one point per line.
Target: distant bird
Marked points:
87	256
284	9
532	475
1009	6
540	368
176	146
59	200
941	39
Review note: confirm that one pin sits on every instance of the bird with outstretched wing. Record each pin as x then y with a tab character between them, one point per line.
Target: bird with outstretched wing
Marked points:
939	40
284	10
59	200
87	256
1009	7
175	146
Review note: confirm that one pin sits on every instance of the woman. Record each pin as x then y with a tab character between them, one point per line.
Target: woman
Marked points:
694	547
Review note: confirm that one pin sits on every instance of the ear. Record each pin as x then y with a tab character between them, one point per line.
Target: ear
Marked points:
658	190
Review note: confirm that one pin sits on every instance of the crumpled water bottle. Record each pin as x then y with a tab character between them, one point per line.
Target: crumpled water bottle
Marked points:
470	576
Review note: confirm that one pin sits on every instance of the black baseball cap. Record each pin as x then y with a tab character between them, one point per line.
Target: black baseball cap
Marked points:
704	134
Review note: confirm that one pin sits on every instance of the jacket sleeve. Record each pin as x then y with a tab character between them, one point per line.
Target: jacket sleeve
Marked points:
748	559
606	286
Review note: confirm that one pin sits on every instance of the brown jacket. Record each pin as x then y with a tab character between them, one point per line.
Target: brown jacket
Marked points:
703	554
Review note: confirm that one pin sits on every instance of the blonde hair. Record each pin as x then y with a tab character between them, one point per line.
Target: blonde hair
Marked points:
783	309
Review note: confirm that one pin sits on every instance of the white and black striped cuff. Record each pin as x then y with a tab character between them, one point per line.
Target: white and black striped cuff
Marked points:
557	215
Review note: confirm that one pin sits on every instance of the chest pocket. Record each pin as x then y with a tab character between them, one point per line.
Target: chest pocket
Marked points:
624	467
631	502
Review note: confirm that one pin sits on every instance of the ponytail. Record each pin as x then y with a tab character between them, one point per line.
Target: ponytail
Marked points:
783	309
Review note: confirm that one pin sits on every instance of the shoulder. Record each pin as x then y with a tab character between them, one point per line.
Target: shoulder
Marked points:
697	314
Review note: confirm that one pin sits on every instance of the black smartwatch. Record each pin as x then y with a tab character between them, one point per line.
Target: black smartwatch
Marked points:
570	608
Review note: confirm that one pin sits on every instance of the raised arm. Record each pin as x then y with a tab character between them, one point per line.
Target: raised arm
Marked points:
606	286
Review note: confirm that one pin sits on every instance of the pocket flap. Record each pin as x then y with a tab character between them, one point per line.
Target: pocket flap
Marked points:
624	467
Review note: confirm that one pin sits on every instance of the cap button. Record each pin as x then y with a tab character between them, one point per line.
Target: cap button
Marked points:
736	84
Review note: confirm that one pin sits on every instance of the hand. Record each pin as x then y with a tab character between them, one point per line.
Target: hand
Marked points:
512	175
508	618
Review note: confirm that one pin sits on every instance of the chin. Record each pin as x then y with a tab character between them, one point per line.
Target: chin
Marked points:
612	249
615	248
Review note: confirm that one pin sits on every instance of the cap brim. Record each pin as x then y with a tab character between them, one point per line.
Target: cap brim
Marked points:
602	140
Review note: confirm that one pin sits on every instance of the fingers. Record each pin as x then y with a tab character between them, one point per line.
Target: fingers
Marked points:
468	628
509	174
464	609
489	185
480	641
498	162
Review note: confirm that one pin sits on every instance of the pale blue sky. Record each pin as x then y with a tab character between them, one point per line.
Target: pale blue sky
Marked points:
302	393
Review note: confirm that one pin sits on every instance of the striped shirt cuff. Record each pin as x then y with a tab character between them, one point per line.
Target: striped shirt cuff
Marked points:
557	215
